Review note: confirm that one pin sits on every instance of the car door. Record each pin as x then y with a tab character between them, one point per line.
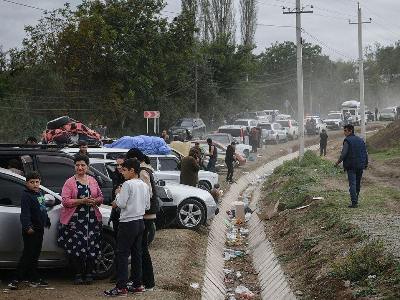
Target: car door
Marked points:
10	225
55	170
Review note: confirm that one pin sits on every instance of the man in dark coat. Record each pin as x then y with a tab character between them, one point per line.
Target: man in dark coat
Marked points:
323	142
190	169
229	160
355	159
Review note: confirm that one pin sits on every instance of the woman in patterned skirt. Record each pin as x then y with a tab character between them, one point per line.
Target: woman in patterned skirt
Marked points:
80	221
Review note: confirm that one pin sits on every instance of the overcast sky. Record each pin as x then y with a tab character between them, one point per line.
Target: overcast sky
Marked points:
328	24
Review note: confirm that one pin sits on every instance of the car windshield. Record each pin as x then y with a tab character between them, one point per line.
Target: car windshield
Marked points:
222	139
184	123
232	131
251	115
261	114
387	110
334	116
265	126
284	123
243	123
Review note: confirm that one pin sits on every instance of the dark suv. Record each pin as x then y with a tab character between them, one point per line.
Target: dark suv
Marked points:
196	127
54	166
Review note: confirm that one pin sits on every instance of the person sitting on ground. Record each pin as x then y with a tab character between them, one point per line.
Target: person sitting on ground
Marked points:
34	219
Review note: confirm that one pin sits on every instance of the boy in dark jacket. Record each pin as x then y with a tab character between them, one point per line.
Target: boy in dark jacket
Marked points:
33	220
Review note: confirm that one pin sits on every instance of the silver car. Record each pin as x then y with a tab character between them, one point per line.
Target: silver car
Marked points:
52	256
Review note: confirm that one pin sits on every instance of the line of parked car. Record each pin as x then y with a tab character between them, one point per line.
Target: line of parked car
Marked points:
56	165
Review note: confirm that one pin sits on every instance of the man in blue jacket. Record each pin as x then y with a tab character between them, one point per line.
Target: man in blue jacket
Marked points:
355	159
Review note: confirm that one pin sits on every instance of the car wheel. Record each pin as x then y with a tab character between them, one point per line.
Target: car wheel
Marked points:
246	153
105	263
204	185
191	214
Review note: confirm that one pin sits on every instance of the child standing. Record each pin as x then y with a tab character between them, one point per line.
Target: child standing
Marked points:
133	200
33	220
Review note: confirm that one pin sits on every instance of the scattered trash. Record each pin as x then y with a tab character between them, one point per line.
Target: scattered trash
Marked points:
259	155
371	277
244	231
246	173
238	274
228	271
347	283
49	288
6	290
318	198
231	254
194	285
302	207
243	292
247	217
298	293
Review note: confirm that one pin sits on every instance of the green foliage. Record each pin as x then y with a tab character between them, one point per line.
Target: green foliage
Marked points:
370	259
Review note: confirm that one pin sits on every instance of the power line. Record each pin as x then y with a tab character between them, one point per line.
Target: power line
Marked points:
25	5
336	51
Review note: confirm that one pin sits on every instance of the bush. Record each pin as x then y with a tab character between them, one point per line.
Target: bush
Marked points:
368	260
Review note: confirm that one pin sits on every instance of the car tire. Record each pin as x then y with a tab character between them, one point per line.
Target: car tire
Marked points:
246	153
105	264
191	214
204	185
58	123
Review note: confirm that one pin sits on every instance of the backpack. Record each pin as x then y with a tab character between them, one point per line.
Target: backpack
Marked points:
154	204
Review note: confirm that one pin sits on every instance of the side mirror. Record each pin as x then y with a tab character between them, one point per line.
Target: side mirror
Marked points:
161	182
49	200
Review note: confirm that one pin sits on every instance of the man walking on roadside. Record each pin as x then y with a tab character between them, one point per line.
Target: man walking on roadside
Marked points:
355	159
323	142
213	155
229	160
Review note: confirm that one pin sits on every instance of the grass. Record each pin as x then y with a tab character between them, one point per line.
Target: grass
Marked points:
323	236
385	154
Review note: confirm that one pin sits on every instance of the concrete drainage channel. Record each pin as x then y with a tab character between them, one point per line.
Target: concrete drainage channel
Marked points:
271	279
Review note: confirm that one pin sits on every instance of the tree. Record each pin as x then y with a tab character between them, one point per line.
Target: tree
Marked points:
248	22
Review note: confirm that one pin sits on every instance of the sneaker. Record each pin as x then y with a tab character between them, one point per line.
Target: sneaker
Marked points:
352	206
136	290
116	292
13	285
149	289
78	280
42	283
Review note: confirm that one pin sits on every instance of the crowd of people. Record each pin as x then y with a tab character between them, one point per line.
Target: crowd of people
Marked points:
134	211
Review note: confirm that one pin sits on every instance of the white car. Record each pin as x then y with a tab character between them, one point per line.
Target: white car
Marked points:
226	139
248	123
188	206
166	166
334	120
388	114
292	128
283	117
52	256
273	132
257	115
272	113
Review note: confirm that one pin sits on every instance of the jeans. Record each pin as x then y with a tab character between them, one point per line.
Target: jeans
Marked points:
211	165
129	242
147	266
28	263
354	177
322	149
229	175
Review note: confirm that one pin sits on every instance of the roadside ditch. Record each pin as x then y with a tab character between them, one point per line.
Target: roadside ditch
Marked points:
240	263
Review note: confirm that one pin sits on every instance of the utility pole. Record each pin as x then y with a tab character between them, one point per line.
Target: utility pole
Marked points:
300	101
361	69
195	92
309	88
